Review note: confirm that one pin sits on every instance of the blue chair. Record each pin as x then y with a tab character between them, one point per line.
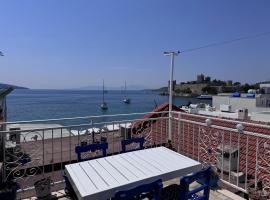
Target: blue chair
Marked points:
68	187
150	190
124	144
204	186
91	148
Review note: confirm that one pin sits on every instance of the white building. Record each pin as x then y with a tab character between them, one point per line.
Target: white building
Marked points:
265	87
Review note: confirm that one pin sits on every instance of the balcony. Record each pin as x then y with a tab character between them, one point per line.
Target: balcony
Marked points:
42	148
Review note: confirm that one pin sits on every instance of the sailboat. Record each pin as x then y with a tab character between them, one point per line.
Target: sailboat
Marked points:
104	105
126	99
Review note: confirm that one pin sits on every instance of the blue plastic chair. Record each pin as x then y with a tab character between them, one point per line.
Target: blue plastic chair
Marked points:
151	191
124	144
91	147
204	186
68	187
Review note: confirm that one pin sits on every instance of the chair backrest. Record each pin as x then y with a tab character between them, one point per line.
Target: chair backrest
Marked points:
124	143
91	148
204	178
152	189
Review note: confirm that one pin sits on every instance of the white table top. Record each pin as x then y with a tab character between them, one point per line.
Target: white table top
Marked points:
102	178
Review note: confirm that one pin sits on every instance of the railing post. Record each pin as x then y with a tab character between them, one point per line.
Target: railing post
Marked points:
2	151
170	127
172	54
240	129
170	97
3	158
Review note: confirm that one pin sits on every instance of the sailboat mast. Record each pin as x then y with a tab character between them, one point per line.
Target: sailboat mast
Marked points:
103	92
126	89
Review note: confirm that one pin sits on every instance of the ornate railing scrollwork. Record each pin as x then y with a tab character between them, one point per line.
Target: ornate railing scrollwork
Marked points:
208	143
263	167
22	157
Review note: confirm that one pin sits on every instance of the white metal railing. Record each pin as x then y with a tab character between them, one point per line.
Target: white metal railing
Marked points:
43	151
242	157
39	150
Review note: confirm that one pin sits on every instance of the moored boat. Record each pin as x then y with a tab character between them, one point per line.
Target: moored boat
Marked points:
126	99
204	96
104	105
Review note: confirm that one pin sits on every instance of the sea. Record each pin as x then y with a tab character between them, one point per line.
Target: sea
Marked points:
30	104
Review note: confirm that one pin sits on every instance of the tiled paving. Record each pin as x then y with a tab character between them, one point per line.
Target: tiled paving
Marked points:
214	195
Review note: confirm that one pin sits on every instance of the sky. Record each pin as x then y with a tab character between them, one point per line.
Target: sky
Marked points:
67	44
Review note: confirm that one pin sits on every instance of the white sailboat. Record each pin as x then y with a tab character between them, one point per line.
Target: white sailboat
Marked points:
126	99
104	105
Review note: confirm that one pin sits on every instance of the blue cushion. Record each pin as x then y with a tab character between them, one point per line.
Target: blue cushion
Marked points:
91	148
124	143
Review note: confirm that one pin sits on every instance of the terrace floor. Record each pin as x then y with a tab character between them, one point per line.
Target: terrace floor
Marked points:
220	194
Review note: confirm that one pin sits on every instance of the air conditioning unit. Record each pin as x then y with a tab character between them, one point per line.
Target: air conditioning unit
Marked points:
225	108
243	113
229	155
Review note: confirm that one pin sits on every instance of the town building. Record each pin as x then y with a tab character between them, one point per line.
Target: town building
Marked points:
258	107
265	87
200	78
229	83
207	79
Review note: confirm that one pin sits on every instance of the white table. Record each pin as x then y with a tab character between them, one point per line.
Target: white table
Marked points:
102	178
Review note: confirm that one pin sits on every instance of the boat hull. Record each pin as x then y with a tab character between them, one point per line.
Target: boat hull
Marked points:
127	101
104	106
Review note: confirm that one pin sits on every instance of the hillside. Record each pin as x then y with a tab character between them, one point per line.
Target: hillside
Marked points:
3	85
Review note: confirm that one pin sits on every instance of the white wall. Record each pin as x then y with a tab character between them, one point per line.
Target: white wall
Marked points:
238	102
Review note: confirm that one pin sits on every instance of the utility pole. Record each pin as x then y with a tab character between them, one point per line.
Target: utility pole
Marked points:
172	54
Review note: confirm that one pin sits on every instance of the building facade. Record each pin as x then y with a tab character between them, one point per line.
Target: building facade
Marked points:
200	78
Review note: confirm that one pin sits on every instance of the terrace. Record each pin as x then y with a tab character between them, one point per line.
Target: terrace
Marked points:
239	150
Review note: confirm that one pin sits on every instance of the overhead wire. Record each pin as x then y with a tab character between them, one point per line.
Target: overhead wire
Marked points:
226	42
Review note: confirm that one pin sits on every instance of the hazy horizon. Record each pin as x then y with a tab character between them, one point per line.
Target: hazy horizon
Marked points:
73	44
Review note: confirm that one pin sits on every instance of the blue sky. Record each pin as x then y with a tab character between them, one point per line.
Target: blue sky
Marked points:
75	43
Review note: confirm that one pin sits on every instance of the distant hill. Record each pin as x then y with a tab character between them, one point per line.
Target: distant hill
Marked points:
3	85
162	89
129	87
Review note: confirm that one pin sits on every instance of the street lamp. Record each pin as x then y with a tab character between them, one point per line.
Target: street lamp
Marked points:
172	54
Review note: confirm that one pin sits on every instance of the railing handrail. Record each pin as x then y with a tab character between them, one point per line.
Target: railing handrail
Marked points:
83	117
225	128
82	125
223	119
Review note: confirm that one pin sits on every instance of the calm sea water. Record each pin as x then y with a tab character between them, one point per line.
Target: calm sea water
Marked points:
47	104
